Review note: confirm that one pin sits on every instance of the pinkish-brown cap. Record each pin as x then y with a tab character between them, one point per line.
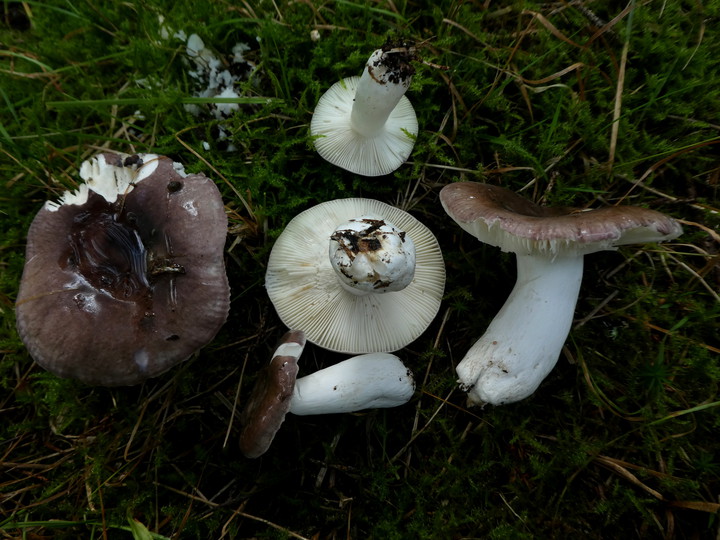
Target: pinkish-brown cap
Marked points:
125	278
500	217
271	396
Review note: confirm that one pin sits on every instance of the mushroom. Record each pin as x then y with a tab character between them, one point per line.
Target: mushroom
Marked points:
357	275
271	396
523	342
369	381
365	124
125	277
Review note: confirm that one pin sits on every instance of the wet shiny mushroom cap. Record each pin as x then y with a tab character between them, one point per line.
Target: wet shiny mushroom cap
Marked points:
125	278
502	218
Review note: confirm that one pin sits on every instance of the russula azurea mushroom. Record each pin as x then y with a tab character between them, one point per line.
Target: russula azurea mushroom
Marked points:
125	277
365	124
368	381
523	342
357	275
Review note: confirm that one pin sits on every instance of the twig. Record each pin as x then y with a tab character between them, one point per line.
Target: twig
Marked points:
697	276
213	169
595	310
235	403
655	166
416	420
417	433
618	95
622	471
273	525
188	495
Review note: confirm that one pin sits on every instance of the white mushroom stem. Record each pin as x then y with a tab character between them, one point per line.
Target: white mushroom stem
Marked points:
370	255
365	124
378	92
523	342
368	381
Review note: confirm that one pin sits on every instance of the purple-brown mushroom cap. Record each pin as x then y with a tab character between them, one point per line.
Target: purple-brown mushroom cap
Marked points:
271	396
502	218
125	278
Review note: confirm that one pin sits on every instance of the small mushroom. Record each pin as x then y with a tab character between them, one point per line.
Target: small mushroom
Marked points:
125	277
523	342
369	381
357	275
271	396
365	124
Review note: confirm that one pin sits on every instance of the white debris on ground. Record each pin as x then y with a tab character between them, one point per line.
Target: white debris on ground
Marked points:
214	76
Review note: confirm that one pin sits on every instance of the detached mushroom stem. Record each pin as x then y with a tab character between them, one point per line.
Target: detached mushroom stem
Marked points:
369	381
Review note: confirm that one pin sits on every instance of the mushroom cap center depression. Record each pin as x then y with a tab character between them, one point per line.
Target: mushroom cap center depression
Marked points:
107	250
109	254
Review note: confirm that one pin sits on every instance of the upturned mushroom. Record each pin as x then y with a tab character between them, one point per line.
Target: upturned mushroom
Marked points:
370	381
125	277
523	342
357	275
365	124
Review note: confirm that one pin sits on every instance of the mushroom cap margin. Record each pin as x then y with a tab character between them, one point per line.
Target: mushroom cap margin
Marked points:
500	217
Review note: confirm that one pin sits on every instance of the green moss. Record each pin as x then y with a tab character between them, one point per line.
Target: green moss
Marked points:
527	102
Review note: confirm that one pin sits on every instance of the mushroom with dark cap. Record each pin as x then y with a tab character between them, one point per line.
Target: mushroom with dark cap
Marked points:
369	381
125	277
357	275
365	124
523	342
271	396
